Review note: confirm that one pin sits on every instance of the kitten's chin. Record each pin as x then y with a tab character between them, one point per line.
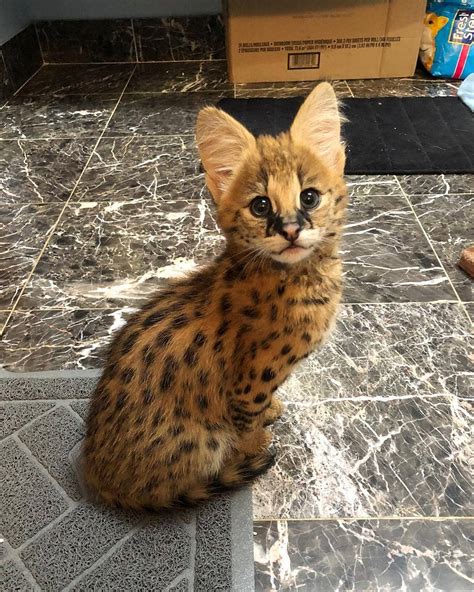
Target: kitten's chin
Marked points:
291	255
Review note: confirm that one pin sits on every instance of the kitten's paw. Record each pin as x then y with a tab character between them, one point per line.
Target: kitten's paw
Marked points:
274	412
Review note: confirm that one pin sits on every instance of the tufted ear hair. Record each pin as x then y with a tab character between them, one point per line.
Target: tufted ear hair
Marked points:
318	125
222	142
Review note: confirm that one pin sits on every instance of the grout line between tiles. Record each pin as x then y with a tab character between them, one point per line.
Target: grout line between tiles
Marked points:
368	519
26	81
66	203
137	63
134	40
350	89
54	405
39	42
460	302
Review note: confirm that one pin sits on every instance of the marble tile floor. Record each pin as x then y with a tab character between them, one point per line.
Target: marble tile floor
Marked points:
102	200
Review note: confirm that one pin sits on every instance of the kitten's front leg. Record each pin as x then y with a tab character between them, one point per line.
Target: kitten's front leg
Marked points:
274	412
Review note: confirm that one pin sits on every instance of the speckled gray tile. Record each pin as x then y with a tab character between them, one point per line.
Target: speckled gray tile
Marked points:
51	439
399	456
449	222
287	89
12	578
115	254
87	41
180	38
40	171
139	169
404	87
363	555
15	415
29	501
386	255
81	408
180	77
436	184
23	232
79	79
160	114
51	116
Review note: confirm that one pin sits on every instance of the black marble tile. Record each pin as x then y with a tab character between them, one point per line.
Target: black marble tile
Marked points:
401	87
470	311
6	86
79	79
114	254
287	89
40	171
22	57
449	222
386	255
363	555
180	77
160	114
70	116
23	232
369	185
141	169
87	41
393	456
180	38
436	184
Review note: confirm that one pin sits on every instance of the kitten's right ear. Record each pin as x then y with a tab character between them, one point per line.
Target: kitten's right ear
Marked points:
221	141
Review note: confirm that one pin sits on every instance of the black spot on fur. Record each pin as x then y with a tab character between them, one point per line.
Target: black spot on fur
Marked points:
260	398
268	374
157	419
255	296
181	412
203	377
218	345
127	375
223	328
180	321
148	355
147	396
169	372
212	443
314	300
292	360
187	446
273	312
129	342
155	317
252	374
251	313
203	402
253	349
163	338
306	337
280	290
176	430
286	349
121	398
226	304
200	339
221	363
190	356
247	389
273	335
238	391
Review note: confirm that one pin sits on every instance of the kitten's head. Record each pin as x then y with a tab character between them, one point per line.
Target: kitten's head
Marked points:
280	197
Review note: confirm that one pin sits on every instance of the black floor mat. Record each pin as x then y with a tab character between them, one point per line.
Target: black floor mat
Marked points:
388	135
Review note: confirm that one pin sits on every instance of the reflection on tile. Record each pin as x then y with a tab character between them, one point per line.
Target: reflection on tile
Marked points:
386	255
180	38
449	222
160	114
71	116
287	89
394	456
115	254
371	555
400	87
438	184
179	77
79	79
22	57
23	231
6	84
142	169
38	171
86	41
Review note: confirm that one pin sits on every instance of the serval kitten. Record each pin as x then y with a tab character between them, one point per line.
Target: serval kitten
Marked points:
181	410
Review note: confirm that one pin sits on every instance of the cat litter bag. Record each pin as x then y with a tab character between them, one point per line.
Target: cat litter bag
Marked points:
448	34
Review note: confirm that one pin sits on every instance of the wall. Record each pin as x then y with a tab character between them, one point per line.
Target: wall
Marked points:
98	9
14	16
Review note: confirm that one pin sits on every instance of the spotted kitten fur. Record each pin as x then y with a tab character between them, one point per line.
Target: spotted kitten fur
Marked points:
181	410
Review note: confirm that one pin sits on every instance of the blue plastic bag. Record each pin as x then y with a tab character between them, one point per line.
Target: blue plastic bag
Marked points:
448	35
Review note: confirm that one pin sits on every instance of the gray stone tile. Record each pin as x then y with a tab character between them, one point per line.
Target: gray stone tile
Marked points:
28	499
449	222
182	586
51	439
12	578
150	560
81	408
370	185
108	40
31	388
67	79
16	415
401	87
436	184
79	539
389	555
282	90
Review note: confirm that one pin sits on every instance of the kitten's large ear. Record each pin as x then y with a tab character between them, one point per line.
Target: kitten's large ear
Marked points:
318	124
222	142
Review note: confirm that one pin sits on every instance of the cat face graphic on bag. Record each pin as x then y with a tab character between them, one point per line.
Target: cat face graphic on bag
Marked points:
183	407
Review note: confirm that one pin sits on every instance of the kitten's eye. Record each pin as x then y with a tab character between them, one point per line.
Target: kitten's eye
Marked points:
309	199
260	207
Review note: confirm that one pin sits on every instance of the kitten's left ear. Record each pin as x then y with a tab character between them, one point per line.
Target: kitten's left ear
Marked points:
222	141
318	125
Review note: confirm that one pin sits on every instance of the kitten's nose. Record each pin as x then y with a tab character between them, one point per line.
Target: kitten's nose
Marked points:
291	231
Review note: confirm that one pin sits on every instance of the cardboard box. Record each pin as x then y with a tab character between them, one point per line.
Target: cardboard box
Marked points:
281	40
